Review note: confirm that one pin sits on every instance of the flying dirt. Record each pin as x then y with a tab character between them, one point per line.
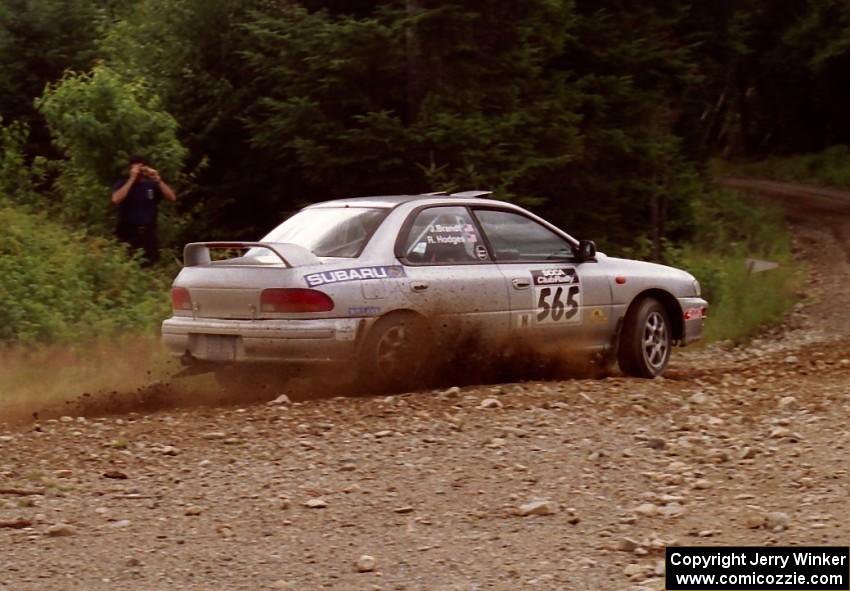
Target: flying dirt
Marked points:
576	484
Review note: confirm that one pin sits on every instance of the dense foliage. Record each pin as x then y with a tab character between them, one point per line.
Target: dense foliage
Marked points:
729	232
597	113
600	114
60	284
98	121
830	167
61	287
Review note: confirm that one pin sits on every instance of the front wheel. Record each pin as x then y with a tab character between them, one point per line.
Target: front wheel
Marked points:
395	354
646	340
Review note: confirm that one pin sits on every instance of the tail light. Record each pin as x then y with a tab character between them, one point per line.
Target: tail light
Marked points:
295	300
180	298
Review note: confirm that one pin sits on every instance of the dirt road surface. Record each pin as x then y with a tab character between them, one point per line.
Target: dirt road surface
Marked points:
574	485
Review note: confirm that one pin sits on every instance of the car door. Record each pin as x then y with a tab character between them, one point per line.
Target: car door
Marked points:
554	300
452	277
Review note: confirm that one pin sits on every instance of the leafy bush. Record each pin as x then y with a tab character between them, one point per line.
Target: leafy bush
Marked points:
60	286
98	120
18	181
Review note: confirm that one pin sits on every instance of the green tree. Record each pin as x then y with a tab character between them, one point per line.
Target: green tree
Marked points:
630	181
473	106
189	51
39	40
817	43
97	120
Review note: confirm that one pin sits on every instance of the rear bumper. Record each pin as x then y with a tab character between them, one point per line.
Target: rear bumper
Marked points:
694	311
283	341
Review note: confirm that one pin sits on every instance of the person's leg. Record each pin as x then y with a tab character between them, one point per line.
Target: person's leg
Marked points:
150	244
135	238
124	232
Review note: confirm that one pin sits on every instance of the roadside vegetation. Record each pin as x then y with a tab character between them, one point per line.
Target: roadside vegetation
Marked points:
730	232
120	363
828	168
61	284
599	118
62	287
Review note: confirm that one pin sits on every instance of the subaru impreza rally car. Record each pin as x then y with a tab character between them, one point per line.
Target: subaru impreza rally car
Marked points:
380	285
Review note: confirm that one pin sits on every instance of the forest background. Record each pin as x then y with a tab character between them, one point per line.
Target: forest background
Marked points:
600	115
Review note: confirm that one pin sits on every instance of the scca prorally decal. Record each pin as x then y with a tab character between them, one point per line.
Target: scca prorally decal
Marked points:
358	274
563	276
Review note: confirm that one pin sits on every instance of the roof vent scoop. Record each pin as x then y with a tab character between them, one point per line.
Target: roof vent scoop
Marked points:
472	194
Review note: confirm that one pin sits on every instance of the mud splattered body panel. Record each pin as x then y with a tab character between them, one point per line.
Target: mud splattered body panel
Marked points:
466	265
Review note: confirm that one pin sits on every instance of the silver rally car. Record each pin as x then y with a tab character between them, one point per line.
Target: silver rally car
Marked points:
382	286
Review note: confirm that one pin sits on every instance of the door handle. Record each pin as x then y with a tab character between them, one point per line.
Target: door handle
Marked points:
521	283
418	286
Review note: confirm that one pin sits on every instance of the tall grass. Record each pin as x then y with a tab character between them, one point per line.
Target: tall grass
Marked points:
123	365
729	230
77	314
830	168
742	302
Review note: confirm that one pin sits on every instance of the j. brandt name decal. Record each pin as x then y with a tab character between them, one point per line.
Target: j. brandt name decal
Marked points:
357	274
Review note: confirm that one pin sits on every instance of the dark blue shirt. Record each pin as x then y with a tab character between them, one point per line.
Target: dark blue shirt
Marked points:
140	205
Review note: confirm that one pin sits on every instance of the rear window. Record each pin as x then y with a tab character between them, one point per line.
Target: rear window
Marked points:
330	231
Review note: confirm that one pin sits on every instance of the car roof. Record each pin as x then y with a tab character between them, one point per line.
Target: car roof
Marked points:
390	201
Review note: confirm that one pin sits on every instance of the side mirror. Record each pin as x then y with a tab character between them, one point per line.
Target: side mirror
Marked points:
586	250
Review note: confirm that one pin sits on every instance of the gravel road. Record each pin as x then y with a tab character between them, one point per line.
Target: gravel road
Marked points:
574	485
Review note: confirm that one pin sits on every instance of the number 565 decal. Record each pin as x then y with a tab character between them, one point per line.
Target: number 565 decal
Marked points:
557	295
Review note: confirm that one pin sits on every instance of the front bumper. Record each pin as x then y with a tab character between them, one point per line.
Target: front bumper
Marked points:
311	341
694	312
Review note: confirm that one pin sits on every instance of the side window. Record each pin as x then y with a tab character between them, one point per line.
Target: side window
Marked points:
441	235
515	237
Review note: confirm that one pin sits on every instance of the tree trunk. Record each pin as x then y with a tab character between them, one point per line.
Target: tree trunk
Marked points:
416	74
656	225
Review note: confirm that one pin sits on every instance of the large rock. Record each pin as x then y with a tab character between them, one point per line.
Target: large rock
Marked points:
365	564
490	403
777	521
60	530
538	507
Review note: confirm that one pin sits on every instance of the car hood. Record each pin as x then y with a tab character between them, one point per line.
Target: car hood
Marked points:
646	269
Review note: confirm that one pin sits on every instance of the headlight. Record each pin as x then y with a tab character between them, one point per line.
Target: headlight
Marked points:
697	289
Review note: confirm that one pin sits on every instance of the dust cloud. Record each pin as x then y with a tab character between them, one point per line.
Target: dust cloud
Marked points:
137	376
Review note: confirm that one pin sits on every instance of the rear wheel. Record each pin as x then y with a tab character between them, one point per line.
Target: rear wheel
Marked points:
646	340
395	354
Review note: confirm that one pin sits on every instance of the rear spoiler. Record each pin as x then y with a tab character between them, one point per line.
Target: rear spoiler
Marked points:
472	194
462	194
292	255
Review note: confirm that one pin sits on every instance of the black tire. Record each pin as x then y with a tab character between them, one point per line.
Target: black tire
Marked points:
646	340
395	355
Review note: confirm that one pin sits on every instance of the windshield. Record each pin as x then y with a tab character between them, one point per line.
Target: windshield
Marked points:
329	231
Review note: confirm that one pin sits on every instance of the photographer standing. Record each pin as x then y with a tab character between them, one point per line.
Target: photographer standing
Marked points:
137	198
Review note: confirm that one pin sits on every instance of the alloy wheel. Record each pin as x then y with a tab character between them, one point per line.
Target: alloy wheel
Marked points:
656	340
